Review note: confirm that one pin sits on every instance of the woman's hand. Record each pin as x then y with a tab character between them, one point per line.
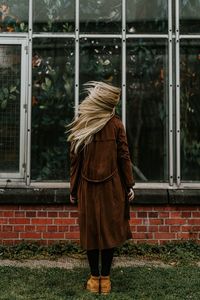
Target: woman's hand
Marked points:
72	199
131	194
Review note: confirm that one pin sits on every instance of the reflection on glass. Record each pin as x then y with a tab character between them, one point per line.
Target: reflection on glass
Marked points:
53	15
52	107
100	16
189	16
10	72
13	16
190	110
100	59
147	115
144	16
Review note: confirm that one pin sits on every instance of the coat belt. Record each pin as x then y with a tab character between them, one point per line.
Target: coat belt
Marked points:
99	180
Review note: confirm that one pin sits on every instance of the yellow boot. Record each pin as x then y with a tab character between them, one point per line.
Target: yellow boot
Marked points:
93	284
105	284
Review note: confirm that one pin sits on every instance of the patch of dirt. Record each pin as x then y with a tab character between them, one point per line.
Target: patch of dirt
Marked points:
71	262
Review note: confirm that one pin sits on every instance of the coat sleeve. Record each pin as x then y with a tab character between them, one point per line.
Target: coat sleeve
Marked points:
75	172
123	157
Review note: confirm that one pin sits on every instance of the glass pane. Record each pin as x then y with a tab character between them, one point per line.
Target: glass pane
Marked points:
144	16
100	16
52	107
10	72
190	110
53	15
13	16
100	59
147	108
189	16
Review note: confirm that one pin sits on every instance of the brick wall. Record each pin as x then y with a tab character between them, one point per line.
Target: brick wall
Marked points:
53	223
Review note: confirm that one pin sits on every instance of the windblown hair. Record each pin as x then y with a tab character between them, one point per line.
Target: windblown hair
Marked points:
93	113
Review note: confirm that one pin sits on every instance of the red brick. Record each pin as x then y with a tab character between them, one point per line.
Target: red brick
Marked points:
19	228
153	228
74	228
52	228
63	214
142	214
8	213
19	221
155	221
144	208
19	214
141	228
175	214
189	208
9	235
135	221
56	207
72	235
41	228
142	235
153	214
9	207
31	214
196	214
163	228
64	221
164	235
41	221
30	235
181	235
52	214
195	228
7	228
3	220
41	214
74	214
133	228
63	228
186	214
186	228
175	228
175	221
53	235
29	228
164	214
132	214
194	221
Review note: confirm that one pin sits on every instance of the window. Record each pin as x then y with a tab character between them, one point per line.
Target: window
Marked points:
49	48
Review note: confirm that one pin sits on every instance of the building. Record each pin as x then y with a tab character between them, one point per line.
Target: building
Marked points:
48	49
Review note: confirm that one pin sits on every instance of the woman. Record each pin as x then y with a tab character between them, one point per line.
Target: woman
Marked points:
101	180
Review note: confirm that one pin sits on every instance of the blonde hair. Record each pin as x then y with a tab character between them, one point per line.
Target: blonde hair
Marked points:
93	113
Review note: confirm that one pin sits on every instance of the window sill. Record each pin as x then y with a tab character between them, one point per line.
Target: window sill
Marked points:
60	195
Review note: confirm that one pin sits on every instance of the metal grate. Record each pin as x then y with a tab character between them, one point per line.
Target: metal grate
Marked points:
10	72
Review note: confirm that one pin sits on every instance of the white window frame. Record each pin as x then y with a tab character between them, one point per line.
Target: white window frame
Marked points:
5	176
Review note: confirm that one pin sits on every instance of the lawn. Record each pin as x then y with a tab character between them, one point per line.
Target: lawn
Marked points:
180	282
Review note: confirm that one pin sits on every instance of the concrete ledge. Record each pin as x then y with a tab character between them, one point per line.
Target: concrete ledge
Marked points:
61	196
184	196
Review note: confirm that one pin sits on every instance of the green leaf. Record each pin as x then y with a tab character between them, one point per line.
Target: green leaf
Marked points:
13	89
12	97
6	92
4	104
47	82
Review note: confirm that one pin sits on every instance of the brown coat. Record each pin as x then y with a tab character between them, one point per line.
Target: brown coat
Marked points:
100	176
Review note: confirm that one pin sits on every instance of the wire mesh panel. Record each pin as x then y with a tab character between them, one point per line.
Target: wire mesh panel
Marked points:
10	72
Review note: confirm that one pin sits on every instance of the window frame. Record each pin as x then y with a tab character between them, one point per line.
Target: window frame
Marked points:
23	105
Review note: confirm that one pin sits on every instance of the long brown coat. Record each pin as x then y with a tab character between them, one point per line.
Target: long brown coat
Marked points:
100	176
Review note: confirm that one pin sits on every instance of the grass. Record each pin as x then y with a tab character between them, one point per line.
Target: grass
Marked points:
182	252
141	283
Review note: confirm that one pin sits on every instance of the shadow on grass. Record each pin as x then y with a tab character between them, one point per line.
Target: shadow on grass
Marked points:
129	283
